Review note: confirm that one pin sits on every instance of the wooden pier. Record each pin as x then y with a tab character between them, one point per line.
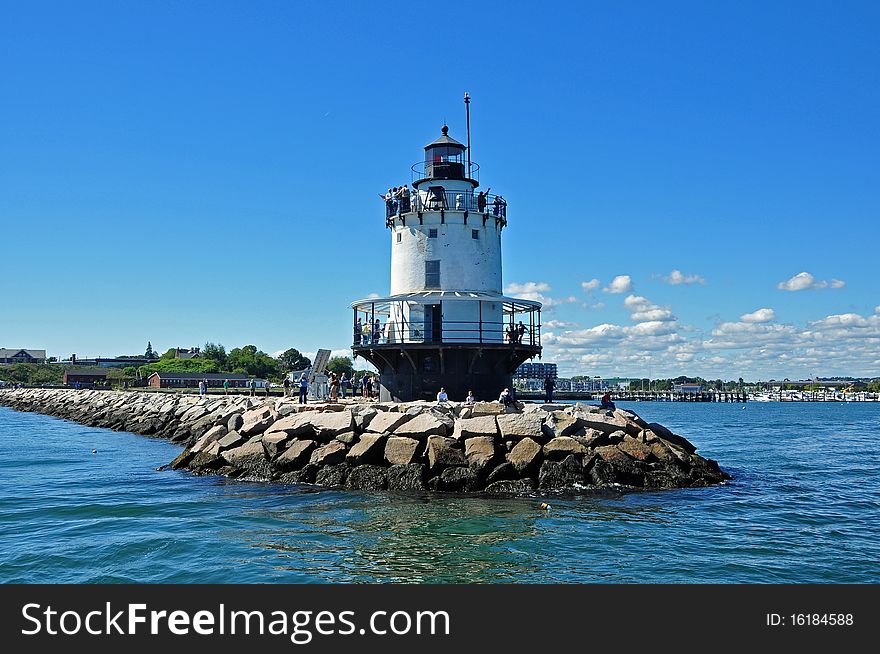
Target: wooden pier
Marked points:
640	396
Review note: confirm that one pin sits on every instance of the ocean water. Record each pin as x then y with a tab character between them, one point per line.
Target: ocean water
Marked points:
804	506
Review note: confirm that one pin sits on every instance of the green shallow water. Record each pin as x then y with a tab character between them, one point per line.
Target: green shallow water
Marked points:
803	507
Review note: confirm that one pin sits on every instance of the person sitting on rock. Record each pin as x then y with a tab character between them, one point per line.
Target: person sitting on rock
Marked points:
607	404
470	399
506	398
442	396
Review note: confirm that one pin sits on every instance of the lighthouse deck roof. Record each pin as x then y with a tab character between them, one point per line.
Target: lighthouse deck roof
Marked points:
427	297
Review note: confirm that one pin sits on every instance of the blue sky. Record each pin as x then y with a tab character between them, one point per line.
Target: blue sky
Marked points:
207	171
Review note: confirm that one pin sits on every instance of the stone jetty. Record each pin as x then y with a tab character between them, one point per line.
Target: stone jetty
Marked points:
415	446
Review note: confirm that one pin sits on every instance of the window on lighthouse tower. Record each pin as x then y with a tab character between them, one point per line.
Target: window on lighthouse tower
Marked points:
432	273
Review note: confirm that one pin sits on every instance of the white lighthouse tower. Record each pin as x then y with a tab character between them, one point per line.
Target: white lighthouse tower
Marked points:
446	322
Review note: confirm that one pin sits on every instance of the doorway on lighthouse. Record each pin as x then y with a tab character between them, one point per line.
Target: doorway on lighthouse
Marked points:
433	323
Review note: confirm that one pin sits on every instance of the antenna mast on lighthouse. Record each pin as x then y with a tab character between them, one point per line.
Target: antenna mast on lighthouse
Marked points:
467	108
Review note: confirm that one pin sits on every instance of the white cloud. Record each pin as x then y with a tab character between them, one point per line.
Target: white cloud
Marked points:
761	315
535	291
558	324
373	296
676	277
620	284
845	320
527	288
641	309
799	282
591	285
877	309
804	280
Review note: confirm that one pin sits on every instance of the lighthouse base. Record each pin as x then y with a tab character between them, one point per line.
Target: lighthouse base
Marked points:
418	371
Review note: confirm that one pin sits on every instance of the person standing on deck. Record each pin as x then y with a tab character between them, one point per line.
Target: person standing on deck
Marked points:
358	330
253	386
226	387
365	332
520	332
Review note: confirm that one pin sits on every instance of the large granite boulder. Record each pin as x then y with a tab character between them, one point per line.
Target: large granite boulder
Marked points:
669	437
400	450
480	452
484	426
297	425
329	454
296	455
303	475
332	476
387	422
502	472
250	458
525	456
230	440
328	425
556	475
234	422
516	426
256	421
636	449
407	477
510	487
363	415
422	426
605	423
560	423
367	477
275	443
368	450
486	409
457	479
556	449
443	453
613	466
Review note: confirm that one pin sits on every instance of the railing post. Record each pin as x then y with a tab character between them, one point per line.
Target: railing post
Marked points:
481	321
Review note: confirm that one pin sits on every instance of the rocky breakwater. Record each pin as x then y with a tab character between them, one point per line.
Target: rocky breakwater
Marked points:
402	447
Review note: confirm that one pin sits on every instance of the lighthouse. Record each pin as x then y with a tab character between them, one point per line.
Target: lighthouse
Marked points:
445	323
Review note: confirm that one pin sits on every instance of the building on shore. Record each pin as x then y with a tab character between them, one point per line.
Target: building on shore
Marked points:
446	322
184	353
687	388
108	362
536	370
84	376
192	379
18	355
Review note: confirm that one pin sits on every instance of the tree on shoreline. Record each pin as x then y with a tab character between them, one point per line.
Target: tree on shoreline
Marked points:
341	365
292	359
